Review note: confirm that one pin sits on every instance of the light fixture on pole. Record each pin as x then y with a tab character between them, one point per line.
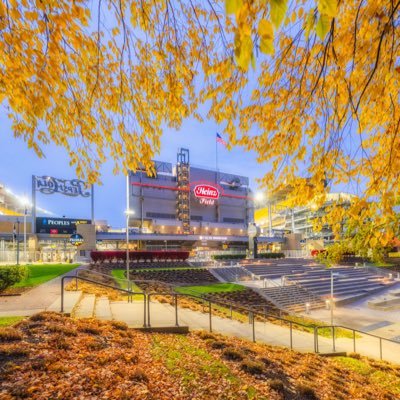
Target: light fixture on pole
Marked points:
333	274
25	203
128	213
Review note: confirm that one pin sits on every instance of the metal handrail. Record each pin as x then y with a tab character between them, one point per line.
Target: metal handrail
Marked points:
333	327
251	312
129	292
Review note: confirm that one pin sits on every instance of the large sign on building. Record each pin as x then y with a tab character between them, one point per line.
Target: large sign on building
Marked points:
207	194
67	187
58	226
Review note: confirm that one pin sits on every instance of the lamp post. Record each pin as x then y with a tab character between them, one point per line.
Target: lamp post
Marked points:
331	305
18	242
25	204
128	213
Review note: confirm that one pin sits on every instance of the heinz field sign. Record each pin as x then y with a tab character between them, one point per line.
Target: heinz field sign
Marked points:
207	194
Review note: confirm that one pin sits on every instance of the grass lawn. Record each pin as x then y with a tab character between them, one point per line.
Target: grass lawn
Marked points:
41	273
212	288
119	276
9	321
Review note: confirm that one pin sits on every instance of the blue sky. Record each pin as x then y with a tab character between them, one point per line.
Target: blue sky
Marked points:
18	163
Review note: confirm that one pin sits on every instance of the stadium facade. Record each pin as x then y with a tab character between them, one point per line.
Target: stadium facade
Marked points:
199	208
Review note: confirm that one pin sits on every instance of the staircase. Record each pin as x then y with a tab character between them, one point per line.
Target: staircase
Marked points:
83	305
292	298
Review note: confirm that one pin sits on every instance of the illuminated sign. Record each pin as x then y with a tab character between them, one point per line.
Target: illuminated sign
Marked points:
76	239
67	187
58	226
223	238
206	194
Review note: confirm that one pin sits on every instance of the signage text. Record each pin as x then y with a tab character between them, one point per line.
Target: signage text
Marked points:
67	187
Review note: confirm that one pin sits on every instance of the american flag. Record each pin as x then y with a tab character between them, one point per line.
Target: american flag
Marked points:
220	140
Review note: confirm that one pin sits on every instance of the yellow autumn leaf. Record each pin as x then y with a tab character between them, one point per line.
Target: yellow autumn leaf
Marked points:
328	7
278	11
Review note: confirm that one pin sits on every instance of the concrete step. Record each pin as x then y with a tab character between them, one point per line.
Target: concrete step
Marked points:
85	308
130	313
71	299
102	309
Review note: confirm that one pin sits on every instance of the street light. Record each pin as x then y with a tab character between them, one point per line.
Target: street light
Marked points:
331	306
128	213
25	203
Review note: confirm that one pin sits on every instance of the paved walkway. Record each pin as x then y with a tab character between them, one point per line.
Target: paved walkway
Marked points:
34	300
164	315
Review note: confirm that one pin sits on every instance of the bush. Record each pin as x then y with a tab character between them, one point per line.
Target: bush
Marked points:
270	255
233	355
277	385
306	392
229	256
10	275
252	367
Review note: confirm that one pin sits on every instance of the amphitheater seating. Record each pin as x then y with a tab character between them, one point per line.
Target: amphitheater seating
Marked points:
176	276
292	298
245	298
275	270
233	274
349	283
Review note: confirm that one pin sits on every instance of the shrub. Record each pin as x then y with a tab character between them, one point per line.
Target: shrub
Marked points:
218	345
233	355
277	385
252	367
229	256
9	334
10	275
119	325
138	375
306	392
270	255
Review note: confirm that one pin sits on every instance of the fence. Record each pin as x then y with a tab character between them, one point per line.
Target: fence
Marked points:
10	256
287	336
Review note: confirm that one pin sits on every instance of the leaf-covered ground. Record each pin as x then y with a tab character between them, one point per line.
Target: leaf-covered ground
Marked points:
50	356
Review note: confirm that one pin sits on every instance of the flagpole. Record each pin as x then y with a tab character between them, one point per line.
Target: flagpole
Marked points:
216	154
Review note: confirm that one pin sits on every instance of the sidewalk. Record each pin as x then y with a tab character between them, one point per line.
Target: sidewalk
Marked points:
33	301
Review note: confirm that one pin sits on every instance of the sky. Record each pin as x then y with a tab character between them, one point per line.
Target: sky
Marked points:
18	164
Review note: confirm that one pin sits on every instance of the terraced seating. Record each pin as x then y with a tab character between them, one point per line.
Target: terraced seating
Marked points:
348	283
275	270
233	274
292	298
245	298
175	276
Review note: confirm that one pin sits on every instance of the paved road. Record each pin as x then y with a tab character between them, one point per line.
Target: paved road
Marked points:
34	300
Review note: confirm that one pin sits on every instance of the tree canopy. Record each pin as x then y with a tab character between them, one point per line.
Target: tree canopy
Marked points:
312	86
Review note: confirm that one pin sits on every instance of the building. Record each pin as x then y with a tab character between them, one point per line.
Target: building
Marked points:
274	217
198	208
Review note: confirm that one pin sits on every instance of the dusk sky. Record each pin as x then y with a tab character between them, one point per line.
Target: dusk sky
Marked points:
18	163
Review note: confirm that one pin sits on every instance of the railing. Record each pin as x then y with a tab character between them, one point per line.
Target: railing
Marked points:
252	315
354	331
387	273
127	291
